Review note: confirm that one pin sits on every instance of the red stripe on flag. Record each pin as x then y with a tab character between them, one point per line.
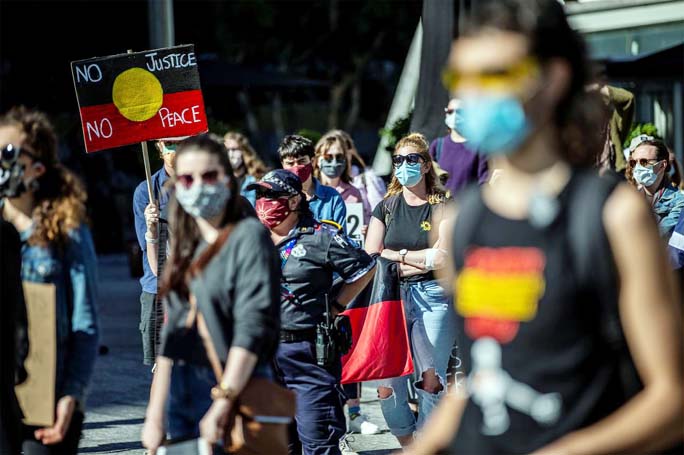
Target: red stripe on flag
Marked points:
381	346
181	114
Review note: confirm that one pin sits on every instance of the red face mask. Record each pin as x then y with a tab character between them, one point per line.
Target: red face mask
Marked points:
272	212
303	171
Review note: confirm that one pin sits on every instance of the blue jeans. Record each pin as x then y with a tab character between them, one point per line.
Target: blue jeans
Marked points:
431	324
189	399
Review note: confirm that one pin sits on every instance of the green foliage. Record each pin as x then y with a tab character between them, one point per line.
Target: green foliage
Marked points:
641	128
312	135
399	129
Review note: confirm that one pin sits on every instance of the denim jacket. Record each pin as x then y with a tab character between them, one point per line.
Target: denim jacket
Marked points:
668	208
74	274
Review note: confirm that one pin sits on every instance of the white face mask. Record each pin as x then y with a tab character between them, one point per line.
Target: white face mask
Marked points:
235	158
645	175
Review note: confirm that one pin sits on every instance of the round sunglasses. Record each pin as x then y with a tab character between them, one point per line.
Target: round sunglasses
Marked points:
645	162
209	177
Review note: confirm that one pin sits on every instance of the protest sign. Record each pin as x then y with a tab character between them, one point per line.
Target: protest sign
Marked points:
129	98
37	394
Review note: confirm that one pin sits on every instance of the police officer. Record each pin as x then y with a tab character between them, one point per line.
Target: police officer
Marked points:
311	252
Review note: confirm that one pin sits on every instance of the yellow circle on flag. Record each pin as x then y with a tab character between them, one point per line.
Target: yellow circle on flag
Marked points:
137	94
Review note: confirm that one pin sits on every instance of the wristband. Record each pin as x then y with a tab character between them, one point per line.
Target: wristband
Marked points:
151	240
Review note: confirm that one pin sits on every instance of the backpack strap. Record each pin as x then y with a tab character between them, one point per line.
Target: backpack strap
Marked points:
470	210
389	205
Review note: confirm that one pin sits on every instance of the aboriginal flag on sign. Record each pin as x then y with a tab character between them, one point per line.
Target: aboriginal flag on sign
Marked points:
128	98
380	346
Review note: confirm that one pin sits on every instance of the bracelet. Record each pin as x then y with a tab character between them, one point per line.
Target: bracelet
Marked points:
151	240
223	391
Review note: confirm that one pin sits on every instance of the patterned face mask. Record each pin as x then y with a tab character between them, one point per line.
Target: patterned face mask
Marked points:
272	212
204	200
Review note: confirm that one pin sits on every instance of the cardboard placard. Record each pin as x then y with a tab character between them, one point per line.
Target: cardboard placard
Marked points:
355	221
37	395
129	98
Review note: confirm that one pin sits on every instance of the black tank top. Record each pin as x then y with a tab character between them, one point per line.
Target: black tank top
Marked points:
535	362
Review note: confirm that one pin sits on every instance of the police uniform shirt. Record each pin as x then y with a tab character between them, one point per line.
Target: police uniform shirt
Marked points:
320	251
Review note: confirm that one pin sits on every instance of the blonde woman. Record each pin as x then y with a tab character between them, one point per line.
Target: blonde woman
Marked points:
332	166
400	230
247	165
372	187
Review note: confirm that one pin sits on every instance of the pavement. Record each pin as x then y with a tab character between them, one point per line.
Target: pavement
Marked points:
120	386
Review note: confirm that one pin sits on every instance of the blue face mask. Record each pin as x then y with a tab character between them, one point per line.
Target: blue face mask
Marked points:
644	175
454	120
494	125
408	174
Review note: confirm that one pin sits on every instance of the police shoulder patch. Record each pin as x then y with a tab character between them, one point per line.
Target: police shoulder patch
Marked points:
332	223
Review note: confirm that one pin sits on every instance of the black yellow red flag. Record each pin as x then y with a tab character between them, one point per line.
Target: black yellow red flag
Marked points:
129	98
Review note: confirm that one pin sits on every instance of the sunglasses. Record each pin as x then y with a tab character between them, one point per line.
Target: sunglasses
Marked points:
10	153
331	158
208	177
645	162
495	78
411	158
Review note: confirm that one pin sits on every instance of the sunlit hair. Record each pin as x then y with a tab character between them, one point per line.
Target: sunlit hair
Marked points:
435	191
253	163
323	146
662	154
350	147
59	196
186	234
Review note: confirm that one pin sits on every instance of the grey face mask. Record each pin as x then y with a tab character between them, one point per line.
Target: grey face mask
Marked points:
203	200
332	169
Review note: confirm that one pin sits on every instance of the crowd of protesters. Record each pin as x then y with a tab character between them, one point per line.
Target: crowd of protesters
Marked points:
552	258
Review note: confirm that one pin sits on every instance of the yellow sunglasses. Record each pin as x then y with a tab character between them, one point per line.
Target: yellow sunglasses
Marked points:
500	79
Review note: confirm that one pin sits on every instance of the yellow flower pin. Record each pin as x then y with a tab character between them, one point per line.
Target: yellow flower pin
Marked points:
426	226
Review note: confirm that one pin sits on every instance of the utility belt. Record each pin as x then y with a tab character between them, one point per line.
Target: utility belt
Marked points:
333	338
295	336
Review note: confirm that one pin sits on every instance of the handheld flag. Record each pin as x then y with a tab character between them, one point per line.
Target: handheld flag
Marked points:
380	346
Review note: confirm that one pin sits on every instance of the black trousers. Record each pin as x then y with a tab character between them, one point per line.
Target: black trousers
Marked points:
68	446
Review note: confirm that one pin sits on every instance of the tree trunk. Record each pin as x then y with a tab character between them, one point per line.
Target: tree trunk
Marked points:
355	108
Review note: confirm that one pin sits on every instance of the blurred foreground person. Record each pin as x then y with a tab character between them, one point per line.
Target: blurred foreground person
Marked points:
57	248
560	275
224	268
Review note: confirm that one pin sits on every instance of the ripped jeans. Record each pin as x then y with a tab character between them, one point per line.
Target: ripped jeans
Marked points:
431	324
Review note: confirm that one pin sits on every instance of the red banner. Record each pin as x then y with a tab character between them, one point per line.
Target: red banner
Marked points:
181	114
